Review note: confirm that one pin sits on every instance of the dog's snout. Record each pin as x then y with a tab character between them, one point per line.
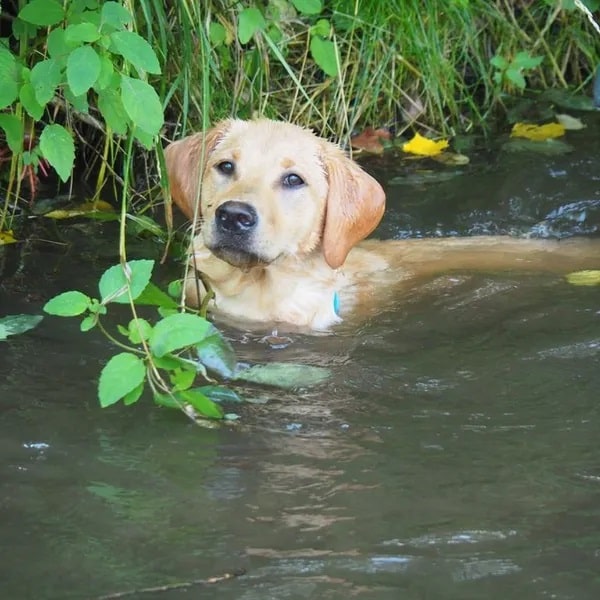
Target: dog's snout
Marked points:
236	217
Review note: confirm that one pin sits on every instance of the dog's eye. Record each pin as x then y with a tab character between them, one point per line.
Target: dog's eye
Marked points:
293	180
226	167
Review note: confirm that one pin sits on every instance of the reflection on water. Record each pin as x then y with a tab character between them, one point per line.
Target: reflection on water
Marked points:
453	454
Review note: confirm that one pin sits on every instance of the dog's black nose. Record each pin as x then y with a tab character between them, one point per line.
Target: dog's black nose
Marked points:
236	217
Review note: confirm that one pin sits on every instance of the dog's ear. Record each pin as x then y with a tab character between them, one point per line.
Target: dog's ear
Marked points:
355	205
186	161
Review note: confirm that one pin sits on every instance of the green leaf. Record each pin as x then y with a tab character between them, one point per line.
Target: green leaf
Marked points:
79	103
178	331
516	78
308	7
135	49
123	374
138	330
134	395
83	69
113	284
142	105
499	62
323	53
80	33
29	101
138	224
284	375
322	27
182	379
13	130
144	138
205	406
154	296
16	324
88	323
57	147
217	34
114	15
217	355
68	304
107	72
113	111
42	12
523	60
250	21
58	47
45	78
9	90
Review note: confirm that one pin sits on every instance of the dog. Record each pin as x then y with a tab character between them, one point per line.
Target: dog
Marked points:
281	215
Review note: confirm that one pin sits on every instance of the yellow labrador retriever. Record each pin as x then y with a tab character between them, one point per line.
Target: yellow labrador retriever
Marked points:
282	215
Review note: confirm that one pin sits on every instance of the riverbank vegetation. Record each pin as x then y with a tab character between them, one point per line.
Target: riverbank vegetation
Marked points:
107	70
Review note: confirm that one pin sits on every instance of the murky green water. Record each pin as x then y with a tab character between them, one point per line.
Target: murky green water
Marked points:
454	454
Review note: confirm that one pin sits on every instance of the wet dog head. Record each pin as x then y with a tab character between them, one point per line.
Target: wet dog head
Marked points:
267	189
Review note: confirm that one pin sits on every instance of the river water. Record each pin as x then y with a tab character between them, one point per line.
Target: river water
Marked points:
454	453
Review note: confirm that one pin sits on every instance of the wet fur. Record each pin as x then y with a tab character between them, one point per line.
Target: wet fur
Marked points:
307	245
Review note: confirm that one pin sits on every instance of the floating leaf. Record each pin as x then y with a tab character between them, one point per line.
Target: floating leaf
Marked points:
16	324
7	237
569	122
591	277
370	140
452	159
122	375
423	146
537	132
83	209
284	375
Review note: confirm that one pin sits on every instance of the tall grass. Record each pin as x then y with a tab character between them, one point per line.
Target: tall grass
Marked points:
404	63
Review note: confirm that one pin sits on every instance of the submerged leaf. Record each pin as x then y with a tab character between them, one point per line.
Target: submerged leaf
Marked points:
15	324
591	277
423	146
284	375
546	147
537	132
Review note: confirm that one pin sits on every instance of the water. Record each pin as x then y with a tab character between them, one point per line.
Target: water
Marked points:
454	453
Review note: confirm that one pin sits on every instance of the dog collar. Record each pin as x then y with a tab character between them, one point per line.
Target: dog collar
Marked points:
336	304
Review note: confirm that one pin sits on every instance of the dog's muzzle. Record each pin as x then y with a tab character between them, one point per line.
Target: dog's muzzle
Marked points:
234	227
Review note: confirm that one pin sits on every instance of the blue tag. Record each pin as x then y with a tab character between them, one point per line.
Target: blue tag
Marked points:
336	303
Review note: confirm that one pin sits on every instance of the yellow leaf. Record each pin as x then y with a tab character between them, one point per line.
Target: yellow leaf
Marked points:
537	133
82	209
591	277
7	237
424	146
